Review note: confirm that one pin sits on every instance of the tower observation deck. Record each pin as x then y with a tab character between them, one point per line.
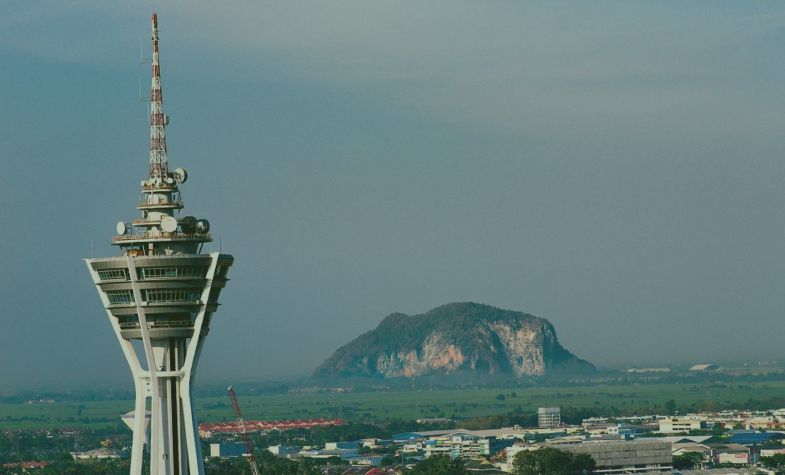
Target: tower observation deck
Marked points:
160	294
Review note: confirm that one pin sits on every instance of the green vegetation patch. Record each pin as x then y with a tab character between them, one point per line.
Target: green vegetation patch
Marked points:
413	404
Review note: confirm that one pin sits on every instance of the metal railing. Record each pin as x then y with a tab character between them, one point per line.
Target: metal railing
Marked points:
151	325
161	204
174	236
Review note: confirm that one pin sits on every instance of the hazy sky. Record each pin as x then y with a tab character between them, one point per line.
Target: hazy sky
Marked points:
616	167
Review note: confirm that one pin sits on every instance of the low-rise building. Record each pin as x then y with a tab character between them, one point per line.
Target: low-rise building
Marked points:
208	429
732	453
341	445
594	421
704	367
27	465
228	450
771	452
514	450
602	430
457	445
625	456
326	454
676	425
365	460
284	450
750	437
408	437
98	454
412	448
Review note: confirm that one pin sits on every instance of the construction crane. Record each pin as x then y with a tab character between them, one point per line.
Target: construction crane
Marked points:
243	433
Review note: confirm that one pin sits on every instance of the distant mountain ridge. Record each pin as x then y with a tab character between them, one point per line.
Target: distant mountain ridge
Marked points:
455	338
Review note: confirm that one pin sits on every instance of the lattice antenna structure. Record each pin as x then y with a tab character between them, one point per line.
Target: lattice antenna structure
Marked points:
159	167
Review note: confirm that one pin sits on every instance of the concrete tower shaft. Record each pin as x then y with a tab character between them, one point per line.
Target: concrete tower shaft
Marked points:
160	294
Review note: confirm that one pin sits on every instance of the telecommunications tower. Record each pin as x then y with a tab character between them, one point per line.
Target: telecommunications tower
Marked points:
160	294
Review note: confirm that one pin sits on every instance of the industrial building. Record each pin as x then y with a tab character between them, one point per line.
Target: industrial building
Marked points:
625	456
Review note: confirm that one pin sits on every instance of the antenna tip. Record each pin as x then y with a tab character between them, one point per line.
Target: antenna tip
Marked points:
155	19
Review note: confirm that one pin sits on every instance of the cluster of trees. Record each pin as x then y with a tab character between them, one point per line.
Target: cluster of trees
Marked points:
775	461
440	465
22	445
269	464
694	460
550	461
540	462
63	464
687	461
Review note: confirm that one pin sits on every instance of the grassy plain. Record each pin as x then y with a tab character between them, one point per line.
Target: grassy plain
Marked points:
407	404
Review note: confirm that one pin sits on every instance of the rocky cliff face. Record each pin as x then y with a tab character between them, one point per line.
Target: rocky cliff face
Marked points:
459	337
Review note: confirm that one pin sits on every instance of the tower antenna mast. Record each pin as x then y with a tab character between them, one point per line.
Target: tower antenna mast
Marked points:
159	166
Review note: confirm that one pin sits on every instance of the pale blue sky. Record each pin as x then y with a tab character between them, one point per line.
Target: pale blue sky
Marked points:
614	166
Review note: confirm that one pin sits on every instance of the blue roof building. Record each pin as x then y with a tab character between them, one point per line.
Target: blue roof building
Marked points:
748	437
228	449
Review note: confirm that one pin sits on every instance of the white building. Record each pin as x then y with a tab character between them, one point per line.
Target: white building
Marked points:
517	448
649	370
678	425
548	417
734	454
771	452
284	450
96	454
457	445
602	429
705	367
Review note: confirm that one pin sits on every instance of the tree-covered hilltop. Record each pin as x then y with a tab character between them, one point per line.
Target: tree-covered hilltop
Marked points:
456	339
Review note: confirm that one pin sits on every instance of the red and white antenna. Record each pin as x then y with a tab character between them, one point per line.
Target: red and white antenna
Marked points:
159	167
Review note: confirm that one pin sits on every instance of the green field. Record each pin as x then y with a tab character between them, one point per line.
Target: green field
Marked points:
410	404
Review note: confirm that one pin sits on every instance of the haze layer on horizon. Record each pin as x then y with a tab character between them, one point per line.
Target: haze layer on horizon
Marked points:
615	167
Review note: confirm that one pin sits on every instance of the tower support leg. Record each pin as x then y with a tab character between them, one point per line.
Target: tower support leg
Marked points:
140	427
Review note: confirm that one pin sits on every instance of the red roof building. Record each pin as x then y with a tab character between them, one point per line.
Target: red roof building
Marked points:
208	428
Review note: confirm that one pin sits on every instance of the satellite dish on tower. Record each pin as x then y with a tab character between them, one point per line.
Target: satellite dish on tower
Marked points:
202	226
121	228
168	224
181	175
188	224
